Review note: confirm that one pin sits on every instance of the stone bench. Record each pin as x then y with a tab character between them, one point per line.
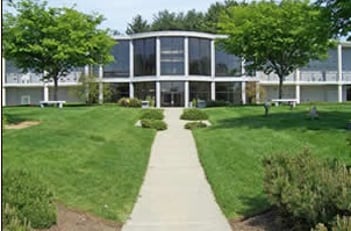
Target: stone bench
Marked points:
58	103
291	102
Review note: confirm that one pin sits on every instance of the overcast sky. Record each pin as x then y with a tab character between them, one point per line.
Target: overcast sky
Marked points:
119	13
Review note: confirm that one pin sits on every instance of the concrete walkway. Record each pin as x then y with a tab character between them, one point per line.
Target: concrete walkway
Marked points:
175	195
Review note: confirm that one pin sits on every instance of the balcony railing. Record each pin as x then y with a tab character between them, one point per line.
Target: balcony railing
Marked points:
319	76
273	77
31	78
346	76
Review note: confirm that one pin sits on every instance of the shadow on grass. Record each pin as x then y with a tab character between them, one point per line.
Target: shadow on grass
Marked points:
331	120
14	119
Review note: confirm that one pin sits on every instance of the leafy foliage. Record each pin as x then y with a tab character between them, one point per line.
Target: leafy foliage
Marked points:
194	125
275	38
129	102
29	197
193	114
307	191
152	114
339	13
138	25
88	91
341	224
53	40
159	125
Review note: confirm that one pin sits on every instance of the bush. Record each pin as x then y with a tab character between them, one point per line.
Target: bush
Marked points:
4	119
218	103
307	191
129	102
29	197
341	224
194	114
152	114
193	125
155	124
11	222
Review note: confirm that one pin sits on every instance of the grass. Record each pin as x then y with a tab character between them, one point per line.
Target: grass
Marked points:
231	151
93	158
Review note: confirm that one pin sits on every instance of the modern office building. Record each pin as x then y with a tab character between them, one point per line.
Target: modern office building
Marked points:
174	67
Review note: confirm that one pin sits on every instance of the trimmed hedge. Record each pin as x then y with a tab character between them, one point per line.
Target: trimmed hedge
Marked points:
306	190
152	114
29	197
129	102
159	125
193	114
217	103
193	125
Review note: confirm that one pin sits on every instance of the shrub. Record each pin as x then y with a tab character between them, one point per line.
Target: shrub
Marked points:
194	114
218	103
193	125
4	119
152	114
129	102
307	191
29	197
341	224
155	124
11	222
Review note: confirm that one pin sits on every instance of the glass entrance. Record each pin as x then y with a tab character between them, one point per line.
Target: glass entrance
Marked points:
172	94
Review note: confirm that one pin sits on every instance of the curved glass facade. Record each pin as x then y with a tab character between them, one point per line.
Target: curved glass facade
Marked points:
227	64
199	56
144	56
120	67
172	55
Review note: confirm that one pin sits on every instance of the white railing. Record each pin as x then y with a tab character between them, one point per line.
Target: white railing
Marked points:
31	78
319	76
346	76
273	77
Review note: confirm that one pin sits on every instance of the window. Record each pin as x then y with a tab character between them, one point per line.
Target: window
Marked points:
120	67
200	90
145	57
229	92
172	56
199	56
227	64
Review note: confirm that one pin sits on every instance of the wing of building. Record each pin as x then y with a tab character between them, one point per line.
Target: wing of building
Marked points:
175	67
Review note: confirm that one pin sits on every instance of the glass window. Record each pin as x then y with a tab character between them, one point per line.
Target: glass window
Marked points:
118	91
200	91
227	64
199	56
145	57
329	64
145	90
346	58
229	92
172	55
120	67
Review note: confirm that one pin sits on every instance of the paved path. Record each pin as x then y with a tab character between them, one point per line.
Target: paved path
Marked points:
175	195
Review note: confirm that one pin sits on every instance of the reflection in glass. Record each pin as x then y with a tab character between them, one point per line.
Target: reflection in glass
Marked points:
227	64
145	57
118	90
120	67
145	90
172	55
200	91
172	94
199	56
229	92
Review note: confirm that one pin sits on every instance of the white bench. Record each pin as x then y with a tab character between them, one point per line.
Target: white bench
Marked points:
291	102
59	103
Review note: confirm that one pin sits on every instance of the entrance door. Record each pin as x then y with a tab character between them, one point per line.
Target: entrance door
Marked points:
172	94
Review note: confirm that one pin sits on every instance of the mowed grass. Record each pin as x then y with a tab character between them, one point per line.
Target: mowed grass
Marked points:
93	158
231	151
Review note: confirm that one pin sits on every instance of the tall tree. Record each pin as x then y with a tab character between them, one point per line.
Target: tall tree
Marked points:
165	20
138	25
53	40
339	12
275	37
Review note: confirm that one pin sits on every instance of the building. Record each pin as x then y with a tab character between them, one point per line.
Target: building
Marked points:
175	67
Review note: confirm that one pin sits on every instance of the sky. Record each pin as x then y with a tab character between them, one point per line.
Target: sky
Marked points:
119	13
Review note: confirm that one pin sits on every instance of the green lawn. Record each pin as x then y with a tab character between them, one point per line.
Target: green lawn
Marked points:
93	158
231	151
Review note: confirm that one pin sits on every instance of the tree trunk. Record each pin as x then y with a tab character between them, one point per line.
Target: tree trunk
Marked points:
55	87
280	91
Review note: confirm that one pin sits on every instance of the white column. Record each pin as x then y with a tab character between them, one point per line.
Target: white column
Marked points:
257	92
243	92
158	57
131	69
101	85
46	91
3	82
186	57
297	87
86	74
213	90
131	90
158	94
340	73
186	94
